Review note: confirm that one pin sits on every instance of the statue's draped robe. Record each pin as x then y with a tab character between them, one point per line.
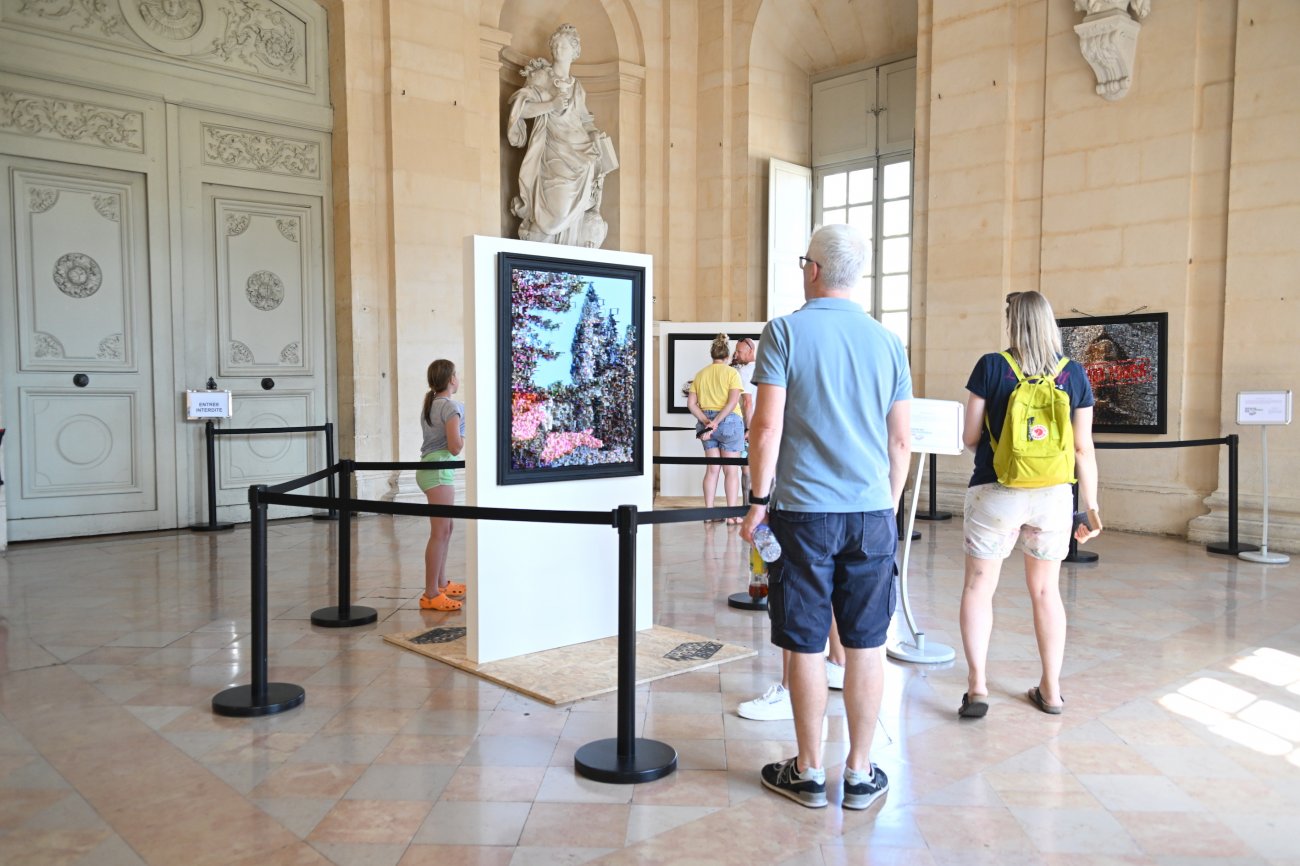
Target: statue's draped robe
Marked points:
561	166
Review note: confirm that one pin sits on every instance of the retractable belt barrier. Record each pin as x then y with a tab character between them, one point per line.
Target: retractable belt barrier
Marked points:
1232	440
622	759
210	433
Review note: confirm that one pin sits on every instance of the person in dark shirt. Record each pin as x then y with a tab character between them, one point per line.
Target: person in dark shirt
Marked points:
1040	519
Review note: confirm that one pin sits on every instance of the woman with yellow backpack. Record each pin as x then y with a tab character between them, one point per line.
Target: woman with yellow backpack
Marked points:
1029	421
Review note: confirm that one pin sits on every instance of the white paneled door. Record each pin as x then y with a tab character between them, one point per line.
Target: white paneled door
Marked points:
255	195
80	353
266	264
148	244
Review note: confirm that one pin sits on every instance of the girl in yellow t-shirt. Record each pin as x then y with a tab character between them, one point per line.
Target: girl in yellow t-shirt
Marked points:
714	400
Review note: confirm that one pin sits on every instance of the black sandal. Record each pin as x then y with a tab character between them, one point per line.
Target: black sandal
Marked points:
973	708
1036	698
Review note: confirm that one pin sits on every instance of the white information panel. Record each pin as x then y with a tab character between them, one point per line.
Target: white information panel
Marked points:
202	405
1264	407
937	426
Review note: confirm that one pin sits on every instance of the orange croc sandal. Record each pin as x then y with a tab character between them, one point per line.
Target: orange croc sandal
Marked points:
438	602
454	590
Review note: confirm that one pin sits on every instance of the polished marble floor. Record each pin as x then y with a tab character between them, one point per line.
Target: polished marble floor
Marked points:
1180	743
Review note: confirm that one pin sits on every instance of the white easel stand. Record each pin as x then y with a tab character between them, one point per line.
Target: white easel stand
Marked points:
1262	555
916	650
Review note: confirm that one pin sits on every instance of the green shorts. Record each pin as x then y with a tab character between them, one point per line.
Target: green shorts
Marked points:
428	478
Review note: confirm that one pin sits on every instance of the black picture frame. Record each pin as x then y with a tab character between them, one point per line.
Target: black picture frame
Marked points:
675	400
1127	361
546	431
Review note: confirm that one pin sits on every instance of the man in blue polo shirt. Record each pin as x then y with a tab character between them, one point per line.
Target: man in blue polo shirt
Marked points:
829	454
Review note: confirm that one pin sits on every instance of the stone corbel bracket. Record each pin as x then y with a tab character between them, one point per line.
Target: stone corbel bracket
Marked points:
1108	40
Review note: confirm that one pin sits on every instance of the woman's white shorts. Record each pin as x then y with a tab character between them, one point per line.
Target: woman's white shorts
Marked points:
996	516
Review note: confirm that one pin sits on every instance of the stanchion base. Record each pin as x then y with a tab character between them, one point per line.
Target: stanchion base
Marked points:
600	761
240	700
930	654
1226	549
742	601
1082	557
329	617
325	516
938	515
211	527
916	535
1264	556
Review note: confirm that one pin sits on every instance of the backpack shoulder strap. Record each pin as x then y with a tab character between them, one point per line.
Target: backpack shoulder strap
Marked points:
1020	377
1060	365
1015	368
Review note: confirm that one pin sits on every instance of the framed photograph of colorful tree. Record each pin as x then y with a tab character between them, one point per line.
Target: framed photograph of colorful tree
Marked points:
1126	358
570	370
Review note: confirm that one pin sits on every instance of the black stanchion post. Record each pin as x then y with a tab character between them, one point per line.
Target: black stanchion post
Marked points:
261	698
900	518
1234	545
345	614
1076	555
626	758
332	514
210	448
934	494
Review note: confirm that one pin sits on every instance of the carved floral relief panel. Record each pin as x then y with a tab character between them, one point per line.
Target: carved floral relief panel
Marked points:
259	38
263	262
75	262
239	148
70	120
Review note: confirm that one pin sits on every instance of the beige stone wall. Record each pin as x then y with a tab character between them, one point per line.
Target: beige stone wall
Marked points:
1181	197
1035	182
1261	308
362	234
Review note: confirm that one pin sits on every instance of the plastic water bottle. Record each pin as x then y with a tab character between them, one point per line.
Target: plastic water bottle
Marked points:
766	544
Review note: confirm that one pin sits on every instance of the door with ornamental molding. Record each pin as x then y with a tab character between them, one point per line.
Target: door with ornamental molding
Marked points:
217	264
254	205
89	448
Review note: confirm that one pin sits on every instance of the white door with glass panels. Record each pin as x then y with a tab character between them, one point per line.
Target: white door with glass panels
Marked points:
862	134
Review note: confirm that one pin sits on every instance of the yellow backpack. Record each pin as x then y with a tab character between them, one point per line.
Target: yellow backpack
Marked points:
1037	444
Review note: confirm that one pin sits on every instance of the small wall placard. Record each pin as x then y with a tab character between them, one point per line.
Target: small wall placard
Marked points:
1263	407
937	426
203	405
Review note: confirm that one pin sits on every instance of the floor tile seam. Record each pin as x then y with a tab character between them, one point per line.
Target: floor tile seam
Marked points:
58	759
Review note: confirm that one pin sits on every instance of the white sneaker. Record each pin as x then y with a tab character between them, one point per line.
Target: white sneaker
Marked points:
834	675
773	706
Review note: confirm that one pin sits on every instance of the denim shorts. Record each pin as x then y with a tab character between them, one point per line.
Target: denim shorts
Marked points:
841	562
729	435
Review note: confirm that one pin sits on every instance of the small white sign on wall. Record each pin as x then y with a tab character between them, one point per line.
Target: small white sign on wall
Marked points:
202	405
937	426
1263	407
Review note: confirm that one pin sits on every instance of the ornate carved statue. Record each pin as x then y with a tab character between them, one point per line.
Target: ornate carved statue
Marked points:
562	178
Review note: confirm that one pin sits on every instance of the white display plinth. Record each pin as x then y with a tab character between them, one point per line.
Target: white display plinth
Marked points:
537	586
691	357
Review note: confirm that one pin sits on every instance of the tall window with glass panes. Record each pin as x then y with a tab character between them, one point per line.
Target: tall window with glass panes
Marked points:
862	175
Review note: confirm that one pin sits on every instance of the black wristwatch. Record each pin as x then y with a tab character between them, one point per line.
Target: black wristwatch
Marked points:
759	500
